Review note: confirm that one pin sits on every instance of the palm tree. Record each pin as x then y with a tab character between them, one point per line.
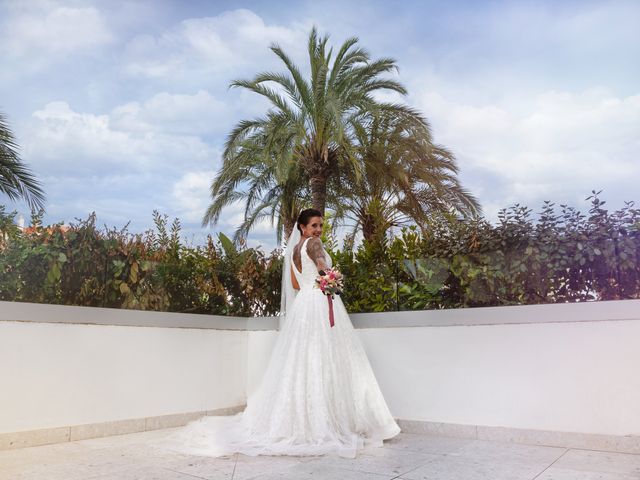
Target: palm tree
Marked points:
307	131
16	181
406	177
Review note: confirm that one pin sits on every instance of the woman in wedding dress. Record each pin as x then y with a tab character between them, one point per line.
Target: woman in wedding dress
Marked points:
318	394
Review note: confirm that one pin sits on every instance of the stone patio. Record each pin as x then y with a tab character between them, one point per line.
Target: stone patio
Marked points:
407	456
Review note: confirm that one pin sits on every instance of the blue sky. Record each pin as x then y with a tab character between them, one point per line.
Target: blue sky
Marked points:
122	107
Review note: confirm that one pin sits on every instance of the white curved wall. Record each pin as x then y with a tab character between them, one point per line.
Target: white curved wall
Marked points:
576	371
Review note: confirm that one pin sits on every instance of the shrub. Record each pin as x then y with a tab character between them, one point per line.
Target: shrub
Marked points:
81	265
563	256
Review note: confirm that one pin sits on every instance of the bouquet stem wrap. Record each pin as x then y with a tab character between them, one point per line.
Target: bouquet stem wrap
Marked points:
330	300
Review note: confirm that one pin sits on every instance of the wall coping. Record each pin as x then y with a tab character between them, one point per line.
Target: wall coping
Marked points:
614	310
45	313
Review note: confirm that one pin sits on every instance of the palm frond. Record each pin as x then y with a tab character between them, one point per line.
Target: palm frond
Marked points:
16	179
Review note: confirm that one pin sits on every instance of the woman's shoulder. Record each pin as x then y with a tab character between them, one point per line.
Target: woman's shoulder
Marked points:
314	241
314	244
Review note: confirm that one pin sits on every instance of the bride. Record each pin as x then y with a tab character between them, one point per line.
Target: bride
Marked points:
319	394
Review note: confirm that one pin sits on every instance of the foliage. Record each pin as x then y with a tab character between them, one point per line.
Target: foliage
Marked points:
81	265
405	177
370	277
9	231
562	256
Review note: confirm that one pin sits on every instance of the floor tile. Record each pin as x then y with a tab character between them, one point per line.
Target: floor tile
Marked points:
248	467
503	452
380	461
413	442
148	472
315	471
455	468
209	468
129	439
554	473
607	462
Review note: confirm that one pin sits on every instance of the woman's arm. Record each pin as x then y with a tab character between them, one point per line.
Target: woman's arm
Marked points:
316	253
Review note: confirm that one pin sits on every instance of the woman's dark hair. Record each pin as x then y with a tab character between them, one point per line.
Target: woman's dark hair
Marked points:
305	216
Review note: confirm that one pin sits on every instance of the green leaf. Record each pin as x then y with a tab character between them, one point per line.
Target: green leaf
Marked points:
227	245
56	271
133	273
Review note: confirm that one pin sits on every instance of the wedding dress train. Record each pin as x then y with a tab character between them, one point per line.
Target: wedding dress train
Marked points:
318	395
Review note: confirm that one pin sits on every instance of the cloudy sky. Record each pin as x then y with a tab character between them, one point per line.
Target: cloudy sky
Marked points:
122	107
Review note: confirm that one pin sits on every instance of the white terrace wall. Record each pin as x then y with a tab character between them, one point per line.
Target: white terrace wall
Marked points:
567	368
63	374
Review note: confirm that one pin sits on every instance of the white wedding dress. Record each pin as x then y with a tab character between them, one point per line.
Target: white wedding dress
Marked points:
318	395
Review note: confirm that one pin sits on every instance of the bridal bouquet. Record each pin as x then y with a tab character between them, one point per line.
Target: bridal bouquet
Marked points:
330	283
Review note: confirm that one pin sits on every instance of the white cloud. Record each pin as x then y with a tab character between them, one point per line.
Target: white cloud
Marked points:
191	195
228	42
60	139
558	147
265	227
198	114
138	157
45	28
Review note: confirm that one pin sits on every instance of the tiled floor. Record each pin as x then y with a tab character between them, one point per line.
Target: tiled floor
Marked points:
407	456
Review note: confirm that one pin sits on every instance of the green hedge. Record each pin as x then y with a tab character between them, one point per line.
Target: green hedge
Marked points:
562	255
152	271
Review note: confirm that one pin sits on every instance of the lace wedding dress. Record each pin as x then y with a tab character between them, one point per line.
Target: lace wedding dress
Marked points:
318	395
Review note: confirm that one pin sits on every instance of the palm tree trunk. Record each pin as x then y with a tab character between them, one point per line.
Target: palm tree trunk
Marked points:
368	228
373	226
318	185
373	219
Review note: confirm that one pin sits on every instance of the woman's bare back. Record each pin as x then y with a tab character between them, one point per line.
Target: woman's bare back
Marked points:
314	250
297	257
